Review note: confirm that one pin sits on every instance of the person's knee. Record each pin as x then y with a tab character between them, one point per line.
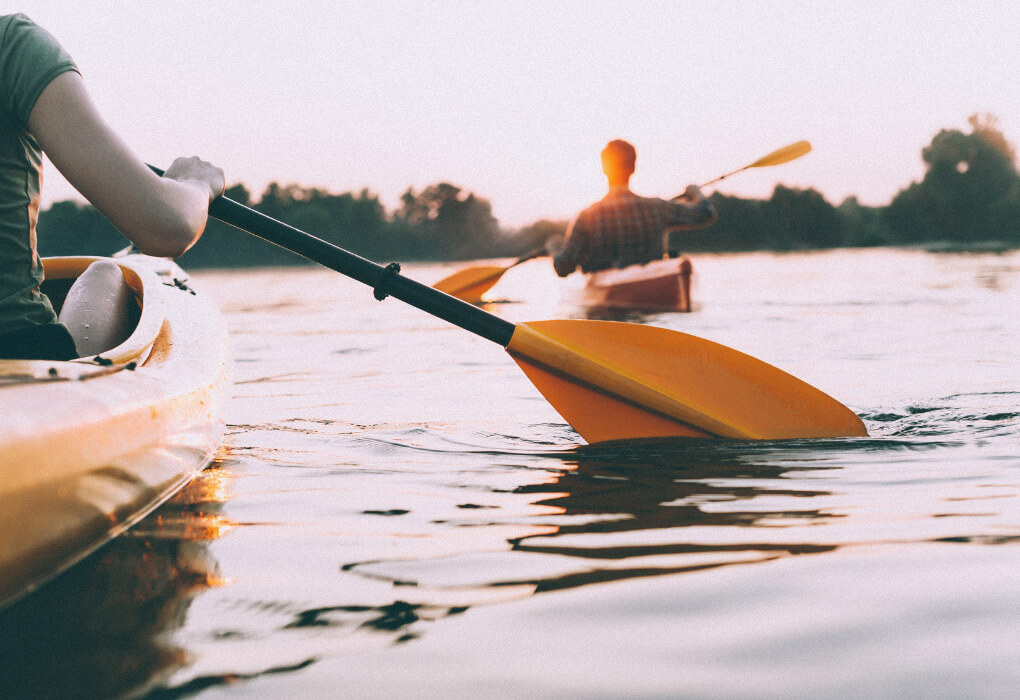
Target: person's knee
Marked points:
96	308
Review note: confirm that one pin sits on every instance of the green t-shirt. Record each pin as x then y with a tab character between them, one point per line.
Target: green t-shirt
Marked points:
29	59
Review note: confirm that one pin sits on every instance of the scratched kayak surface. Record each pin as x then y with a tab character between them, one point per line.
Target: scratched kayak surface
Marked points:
398	512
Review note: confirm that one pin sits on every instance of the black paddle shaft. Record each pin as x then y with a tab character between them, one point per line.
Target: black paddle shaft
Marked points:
386	281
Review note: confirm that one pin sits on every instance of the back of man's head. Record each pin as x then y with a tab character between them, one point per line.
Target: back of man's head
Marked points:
618	159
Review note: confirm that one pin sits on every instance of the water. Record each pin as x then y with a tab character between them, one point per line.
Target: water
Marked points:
398	513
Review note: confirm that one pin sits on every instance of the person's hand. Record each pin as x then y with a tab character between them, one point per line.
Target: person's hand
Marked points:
195	169
554	246
693	193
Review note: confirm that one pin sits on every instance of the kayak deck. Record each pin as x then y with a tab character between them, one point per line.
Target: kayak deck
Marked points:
89	447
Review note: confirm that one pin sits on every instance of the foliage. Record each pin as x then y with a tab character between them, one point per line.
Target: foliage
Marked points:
534	236
970	194
68	228
790	220
442	223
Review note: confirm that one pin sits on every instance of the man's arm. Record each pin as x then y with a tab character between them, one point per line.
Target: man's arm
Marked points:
162	216
567	253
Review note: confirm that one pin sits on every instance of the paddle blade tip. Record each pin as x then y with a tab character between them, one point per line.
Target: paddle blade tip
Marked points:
783	155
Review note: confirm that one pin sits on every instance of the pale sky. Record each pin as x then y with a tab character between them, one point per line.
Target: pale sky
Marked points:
514	100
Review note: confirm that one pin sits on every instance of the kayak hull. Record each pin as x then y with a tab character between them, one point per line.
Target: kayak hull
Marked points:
661	285
89	447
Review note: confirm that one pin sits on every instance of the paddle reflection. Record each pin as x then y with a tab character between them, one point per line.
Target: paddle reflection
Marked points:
101	629
640	511
617	512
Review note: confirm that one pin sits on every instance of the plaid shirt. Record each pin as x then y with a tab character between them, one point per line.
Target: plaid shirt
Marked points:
625	229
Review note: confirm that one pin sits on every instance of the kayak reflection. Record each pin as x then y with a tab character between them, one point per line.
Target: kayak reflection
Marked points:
101	629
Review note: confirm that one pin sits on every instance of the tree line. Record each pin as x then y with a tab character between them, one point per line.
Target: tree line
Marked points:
970	195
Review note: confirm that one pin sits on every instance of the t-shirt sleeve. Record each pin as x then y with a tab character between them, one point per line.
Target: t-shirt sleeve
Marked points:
30	57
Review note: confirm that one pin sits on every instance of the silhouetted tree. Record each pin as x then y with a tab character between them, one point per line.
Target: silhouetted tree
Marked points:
790	220
446	224
803	219
534	236
863	225
970	192
69	228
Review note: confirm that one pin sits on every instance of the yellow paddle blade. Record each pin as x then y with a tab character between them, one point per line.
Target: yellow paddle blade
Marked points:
471	283
615	381
599	417
783	155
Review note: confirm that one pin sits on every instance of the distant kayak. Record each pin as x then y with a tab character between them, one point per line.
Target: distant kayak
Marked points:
661	285
89	447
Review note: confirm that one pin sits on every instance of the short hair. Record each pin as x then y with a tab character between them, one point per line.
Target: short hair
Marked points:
619	155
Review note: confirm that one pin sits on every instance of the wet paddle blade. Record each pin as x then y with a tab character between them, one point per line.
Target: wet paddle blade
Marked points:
471	283
598	417
783	155
615	381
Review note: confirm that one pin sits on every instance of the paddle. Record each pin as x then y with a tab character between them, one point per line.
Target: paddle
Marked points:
777	157
610	380
471	283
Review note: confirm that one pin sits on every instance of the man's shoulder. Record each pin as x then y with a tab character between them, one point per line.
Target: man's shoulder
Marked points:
627	200
614	198
591	210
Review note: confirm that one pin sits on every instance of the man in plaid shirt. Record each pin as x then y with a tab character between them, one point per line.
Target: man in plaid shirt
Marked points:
623	228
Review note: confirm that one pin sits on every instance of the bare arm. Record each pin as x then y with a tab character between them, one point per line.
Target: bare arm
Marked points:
162	216
565	251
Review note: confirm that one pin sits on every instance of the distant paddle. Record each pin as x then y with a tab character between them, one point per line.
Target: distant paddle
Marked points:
471	283
783	155
611	381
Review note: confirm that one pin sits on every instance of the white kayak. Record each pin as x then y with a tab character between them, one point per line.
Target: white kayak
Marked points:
89	447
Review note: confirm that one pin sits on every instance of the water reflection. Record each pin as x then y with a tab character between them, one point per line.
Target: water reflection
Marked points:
666	486
103	628
616	512
598	313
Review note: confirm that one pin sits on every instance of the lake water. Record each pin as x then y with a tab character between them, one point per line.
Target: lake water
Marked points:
398	513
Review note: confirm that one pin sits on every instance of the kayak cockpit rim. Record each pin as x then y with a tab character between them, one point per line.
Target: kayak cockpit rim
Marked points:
141	280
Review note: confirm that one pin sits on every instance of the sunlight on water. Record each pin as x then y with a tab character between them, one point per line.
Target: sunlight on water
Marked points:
399	511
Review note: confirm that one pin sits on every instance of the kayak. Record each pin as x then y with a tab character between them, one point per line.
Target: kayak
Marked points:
661	285
89	447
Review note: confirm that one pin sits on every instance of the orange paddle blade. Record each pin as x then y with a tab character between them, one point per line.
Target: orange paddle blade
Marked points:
598	416
782	155
471	283
624	381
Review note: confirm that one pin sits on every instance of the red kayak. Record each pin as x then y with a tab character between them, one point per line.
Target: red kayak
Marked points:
661	285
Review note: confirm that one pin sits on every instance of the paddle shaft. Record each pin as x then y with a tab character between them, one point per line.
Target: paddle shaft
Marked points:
723	177
536	253
384	280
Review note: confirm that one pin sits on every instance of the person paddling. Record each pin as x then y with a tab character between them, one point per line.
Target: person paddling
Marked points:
624	228
46	108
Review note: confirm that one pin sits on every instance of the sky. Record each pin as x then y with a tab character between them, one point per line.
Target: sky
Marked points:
514	100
